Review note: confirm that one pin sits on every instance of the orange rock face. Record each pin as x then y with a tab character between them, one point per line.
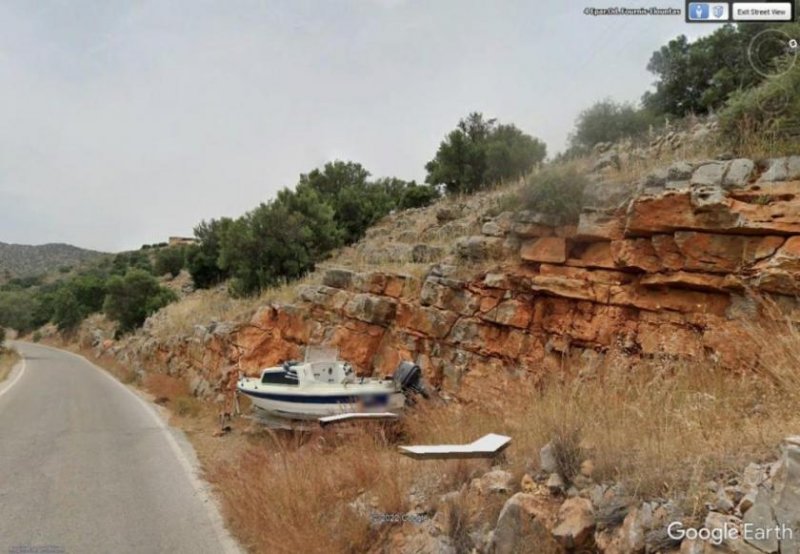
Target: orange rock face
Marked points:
666	275
545	249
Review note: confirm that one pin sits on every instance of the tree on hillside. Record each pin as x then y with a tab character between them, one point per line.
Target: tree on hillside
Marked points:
279	240
510	153
89	289
134	297
608	121
479	153
202	259
71	301
43	307
16	307
356	201
460	161
315	220
169	260
124	261
284	238
334	177
418	196
24	282
695	77
67	313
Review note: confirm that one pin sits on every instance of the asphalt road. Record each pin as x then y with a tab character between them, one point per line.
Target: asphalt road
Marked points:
87	466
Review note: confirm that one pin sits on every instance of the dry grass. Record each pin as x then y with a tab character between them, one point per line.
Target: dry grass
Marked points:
777	339
174	393
187	406
204	306
752	144
314	493
121	371
663	430
635	169
423	226
199	308
164	386
8	359
326	491
165	390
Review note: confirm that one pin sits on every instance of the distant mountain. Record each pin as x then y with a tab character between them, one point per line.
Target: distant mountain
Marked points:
22	259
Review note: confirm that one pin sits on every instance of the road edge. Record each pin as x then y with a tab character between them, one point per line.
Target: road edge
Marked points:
16	374
188	460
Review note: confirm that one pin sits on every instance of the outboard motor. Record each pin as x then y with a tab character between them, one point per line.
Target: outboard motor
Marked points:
408	376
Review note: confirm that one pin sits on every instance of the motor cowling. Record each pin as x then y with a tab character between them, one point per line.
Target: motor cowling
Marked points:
408	377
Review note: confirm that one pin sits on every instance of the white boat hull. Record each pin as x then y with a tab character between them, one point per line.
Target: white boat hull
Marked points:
313	403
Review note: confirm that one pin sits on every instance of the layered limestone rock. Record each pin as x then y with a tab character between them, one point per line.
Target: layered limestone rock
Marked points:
670	268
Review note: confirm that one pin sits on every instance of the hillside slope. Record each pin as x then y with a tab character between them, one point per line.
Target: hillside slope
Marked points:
561	336
24	260
667	266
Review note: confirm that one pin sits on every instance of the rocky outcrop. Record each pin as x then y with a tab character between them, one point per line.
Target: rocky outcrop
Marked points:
667	267
775	505
604	518
523	527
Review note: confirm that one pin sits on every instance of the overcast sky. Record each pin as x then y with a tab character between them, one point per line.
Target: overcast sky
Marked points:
122	123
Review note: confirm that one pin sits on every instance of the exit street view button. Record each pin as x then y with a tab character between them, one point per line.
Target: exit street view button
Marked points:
762	11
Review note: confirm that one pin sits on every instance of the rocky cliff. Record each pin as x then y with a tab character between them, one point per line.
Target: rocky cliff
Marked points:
672	265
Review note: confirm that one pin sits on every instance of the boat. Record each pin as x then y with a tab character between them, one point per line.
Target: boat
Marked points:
322	385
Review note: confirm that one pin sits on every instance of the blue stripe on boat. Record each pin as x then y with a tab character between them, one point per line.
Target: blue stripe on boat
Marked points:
368	399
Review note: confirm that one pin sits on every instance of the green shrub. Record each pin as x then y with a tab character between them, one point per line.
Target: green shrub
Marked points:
67	312
134	297
695	77
479	153
282	239
608	121
90	290
170	260
344	187
278	241
418	196
202	259
766	117
2	337
17	308
556	190
124	261
37	336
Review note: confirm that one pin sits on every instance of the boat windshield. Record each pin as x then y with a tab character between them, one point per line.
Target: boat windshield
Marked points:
321	354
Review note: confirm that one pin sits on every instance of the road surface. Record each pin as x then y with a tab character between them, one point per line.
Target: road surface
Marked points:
87	466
